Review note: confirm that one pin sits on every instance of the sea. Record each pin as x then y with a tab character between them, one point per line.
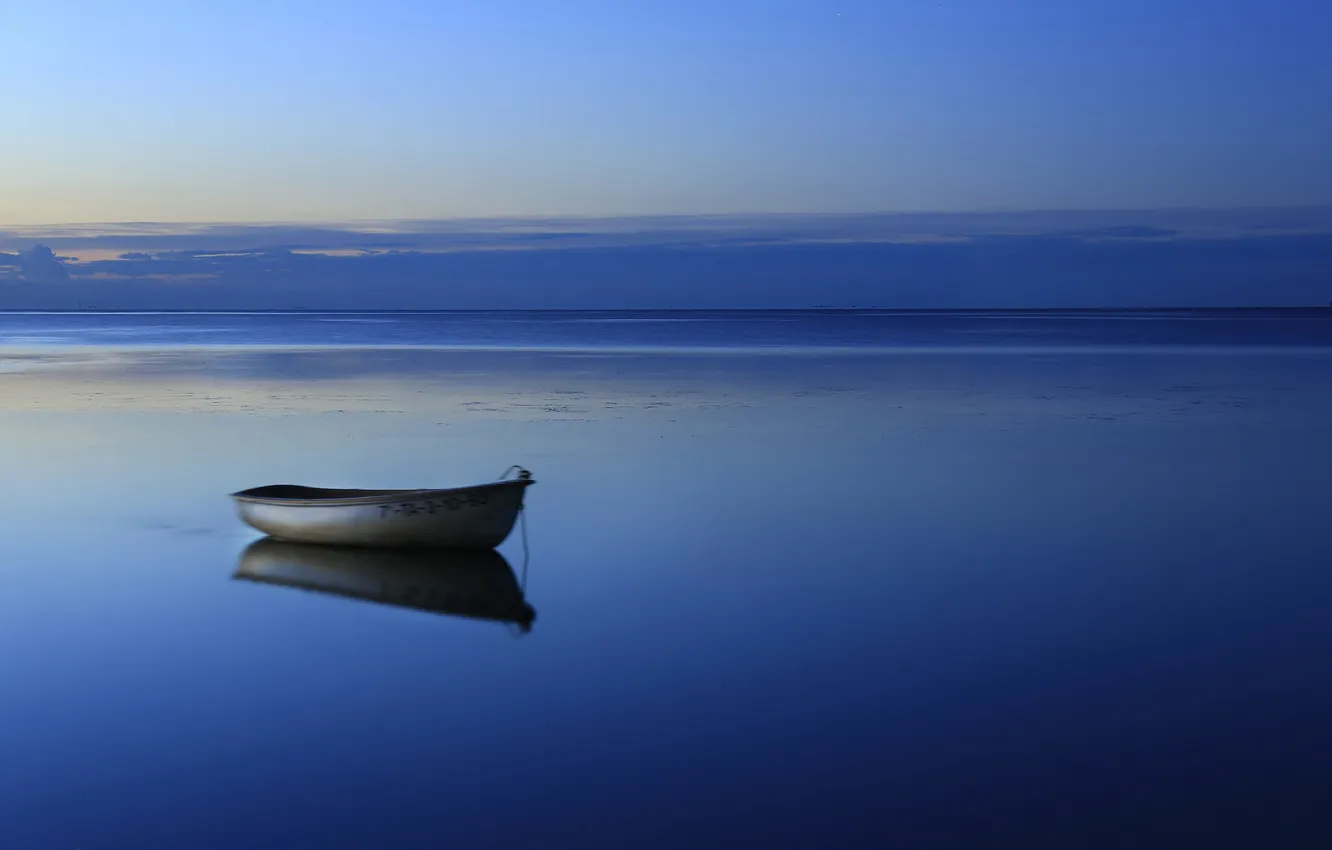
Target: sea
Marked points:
821	579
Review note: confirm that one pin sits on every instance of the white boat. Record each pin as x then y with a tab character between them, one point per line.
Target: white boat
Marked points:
478	584
477	517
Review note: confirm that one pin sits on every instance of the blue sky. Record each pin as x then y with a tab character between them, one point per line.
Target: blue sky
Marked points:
168	111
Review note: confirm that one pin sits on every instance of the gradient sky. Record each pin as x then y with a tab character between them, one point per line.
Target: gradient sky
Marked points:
302	110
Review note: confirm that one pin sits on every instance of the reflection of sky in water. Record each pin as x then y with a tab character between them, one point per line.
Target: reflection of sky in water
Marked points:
909	601
646	330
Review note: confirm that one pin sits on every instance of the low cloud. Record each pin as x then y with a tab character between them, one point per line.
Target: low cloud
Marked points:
1154	258
685	231
37	264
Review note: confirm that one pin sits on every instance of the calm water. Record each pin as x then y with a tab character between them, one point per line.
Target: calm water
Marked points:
672	332
885	582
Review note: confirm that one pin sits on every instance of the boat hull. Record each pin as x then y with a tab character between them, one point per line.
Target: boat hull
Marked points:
478	517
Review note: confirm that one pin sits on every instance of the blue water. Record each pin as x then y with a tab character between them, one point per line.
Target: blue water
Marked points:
867	587
672	330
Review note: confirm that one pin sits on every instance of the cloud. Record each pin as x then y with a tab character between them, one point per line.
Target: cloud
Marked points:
39	264
1162	258
674	231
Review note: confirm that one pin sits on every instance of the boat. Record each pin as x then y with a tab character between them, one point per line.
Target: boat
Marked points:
475	583
476	517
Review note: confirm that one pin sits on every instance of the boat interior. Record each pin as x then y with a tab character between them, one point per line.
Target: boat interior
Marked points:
297	491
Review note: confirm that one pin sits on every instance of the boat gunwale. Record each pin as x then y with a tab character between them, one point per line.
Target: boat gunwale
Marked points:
372	497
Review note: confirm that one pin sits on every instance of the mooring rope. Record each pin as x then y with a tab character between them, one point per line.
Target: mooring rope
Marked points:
522	473
515	629
522	527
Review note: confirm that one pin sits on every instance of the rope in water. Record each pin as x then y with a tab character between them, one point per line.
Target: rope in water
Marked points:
516	629
523	475
520	629
522	525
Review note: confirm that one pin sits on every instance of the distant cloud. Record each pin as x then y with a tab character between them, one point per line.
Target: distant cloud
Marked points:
1085	259
41	265
691	231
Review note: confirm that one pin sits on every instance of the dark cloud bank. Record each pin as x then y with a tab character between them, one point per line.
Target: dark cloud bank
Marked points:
1072	260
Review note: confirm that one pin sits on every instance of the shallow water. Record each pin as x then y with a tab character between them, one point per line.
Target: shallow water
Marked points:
910	598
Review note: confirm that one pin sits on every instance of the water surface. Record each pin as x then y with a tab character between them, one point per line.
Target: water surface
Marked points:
923	595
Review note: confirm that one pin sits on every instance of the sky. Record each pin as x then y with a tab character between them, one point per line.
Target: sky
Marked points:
295	110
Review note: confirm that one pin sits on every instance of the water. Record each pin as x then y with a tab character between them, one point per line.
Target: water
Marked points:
1058	585
764	331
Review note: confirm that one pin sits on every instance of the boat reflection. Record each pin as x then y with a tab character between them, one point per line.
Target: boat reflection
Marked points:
467	583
